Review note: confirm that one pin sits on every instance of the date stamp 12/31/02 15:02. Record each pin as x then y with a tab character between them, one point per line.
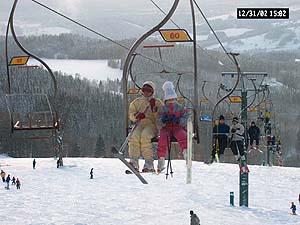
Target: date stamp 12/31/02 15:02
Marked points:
262	13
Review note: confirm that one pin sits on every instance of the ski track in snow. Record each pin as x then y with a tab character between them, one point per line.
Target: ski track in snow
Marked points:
67	196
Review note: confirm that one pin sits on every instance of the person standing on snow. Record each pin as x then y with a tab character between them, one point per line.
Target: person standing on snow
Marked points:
13	181
254	134
194	218
92	173
18	184
293	208
143	112
7	181
33	164
2	175
172	118
220	135
237	139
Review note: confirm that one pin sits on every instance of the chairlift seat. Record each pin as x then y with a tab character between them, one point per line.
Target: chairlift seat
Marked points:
31	112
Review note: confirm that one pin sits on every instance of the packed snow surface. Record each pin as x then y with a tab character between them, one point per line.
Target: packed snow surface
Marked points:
67	196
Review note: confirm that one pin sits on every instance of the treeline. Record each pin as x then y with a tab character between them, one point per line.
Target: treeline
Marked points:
88	111
93	111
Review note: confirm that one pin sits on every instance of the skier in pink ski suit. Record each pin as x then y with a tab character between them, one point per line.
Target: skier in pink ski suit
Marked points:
172	120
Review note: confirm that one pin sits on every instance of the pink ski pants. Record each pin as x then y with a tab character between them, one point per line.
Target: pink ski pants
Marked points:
166	134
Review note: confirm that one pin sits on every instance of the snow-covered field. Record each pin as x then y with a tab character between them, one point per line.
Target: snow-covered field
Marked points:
67	196
231	32
89	69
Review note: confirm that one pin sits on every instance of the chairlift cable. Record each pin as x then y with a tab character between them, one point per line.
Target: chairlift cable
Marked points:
213	31
202	49
164	13
99	34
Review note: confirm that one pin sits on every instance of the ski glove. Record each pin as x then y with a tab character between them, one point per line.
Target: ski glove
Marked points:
140	116
174	119
233	130
152	104
170	118
165	118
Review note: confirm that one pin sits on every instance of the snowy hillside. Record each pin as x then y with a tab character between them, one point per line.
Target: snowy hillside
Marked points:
89	69
67	196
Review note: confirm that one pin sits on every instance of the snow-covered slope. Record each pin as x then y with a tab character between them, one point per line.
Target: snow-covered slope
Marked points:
67	196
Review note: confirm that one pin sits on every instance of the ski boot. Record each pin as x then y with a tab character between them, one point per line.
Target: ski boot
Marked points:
148	166
134	162
160	164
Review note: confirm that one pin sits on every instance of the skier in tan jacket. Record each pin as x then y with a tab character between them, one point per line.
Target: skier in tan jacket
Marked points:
143	112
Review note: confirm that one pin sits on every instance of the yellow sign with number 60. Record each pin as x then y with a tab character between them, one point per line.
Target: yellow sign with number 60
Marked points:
175	35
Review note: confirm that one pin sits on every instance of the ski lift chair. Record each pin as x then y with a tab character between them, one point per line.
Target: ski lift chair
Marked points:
31	112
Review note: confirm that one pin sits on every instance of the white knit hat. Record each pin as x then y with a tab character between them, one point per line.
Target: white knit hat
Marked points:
169	90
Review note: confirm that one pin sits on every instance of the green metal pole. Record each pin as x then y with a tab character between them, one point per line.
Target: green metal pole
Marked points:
231	198
244	181
244	118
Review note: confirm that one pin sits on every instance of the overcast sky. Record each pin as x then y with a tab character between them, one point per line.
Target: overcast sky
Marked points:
107	15
75	7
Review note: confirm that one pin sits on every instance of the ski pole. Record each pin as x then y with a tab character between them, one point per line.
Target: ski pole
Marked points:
170	143
169	157
122	148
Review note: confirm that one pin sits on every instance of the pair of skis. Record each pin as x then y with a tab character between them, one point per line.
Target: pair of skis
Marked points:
132	170
120	156
154	172
242	165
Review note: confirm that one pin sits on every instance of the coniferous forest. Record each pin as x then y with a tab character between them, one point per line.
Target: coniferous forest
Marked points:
92	113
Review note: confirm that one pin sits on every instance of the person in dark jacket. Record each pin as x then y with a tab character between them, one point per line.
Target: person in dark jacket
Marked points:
220	135
18	183
33	164
13	181
293	208
194	218
7	181
92	173
254	134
